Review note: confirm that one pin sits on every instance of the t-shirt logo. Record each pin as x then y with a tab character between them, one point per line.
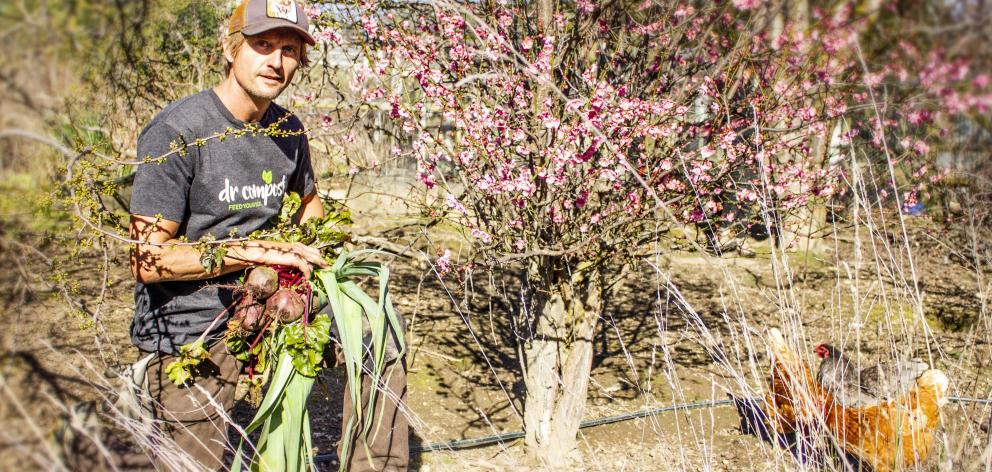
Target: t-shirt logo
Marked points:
241	197
285	9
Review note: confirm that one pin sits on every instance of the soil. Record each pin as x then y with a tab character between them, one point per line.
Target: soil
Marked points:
651	351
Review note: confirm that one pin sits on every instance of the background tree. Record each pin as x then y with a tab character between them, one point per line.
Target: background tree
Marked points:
575	138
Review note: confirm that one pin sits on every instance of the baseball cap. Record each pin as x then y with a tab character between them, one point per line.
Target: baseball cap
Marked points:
253	17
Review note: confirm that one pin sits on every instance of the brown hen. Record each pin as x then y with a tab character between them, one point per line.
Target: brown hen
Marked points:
885	435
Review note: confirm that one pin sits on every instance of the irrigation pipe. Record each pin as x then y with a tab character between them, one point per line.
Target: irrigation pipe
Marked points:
475	442
970	400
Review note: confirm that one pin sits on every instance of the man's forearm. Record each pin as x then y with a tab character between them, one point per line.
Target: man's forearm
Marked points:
174	262
312	207
171	261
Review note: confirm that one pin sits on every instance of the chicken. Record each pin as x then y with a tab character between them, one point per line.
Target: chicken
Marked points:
839	376
879	382
883	435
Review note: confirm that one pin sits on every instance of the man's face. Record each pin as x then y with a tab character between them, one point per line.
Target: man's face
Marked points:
265	65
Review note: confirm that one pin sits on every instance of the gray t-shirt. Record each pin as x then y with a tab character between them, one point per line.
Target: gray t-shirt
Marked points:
224	188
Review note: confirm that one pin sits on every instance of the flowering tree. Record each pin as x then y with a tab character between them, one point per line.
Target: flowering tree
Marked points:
582	134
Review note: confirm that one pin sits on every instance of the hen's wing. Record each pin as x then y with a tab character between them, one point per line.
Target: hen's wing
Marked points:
889	380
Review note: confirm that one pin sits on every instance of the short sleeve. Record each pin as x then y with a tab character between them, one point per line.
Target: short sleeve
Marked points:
303	181
162	188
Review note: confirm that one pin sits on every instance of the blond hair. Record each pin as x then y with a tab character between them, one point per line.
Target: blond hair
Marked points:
232	44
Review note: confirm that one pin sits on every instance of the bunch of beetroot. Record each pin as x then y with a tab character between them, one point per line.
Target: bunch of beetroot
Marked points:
270	294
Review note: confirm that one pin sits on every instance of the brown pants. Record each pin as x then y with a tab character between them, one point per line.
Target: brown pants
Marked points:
388	440
195	418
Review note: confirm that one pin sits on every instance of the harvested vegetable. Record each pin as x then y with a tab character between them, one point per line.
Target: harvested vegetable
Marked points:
251	316
285	305
262	282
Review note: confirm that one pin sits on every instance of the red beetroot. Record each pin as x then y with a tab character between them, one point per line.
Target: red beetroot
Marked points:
251	316
262	282
285	305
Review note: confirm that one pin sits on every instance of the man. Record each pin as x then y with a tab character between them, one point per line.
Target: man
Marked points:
217	182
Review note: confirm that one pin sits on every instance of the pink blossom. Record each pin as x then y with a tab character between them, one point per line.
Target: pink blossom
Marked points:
712	207
443	263
504	19
873	80
370	25
696	215
327	36
633	201
918	116
312	12
748	4
426	178
369	95
573	105
454	204
482	235
580	202
980	81
746	195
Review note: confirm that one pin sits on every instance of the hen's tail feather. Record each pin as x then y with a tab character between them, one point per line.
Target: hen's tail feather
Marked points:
755	421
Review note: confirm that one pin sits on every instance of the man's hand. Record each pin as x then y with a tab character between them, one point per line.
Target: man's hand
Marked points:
297	255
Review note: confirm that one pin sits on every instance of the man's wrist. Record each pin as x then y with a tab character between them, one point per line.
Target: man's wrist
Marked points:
241	255
246	254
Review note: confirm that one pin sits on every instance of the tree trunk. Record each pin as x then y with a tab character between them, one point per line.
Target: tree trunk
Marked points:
558	359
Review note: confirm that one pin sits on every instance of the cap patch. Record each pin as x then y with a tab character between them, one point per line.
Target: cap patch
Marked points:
285	9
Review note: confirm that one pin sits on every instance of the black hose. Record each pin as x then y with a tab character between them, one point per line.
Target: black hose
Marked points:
969	400
467	443
498	438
